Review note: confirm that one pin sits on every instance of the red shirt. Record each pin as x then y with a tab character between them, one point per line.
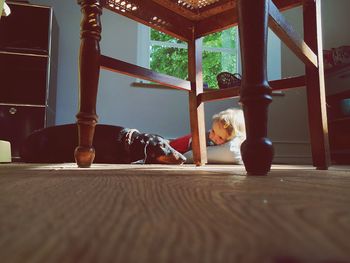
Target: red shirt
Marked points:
182	144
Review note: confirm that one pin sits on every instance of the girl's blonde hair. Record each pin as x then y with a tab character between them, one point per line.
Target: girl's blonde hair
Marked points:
232	120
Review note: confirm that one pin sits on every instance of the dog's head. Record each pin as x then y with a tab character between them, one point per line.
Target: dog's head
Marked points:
156	149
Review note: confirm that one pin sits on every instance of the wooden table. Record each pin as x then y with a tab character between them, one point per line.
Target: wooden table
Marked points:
190	20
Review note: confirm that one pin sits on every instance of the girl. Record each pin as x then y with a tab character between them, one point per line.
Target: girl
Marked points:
224	138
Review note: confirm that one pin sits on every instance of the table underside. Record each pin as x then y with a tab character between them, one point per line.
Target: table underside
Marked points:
183	18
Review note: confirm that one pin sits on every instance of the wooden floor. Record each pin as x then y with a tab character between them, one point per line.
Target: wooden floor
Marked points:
155	213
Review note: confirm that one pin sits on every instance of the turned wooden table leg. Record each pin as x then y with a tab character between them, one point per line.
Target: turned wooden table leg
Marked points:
257	150
89	70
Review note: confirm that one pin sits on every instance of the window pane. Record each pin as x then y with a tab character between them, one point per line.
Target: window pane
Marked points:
219	55
222	39
171	61
215	63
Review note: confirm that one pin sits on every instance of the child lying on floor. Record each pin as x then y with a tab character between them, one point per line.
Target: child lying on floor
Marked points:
224	139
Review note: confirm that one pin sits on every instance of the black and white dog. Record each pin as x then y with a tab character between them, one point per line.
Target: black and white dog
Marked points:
113	144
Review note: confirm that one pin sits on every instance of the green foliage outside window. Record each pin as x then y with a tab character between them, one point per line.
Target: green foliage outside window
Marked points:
169	60
219	55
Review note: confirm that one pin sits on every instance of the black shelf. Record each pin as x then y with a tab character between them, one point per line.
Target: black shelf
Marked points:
27	27
343	119
27	66
338	79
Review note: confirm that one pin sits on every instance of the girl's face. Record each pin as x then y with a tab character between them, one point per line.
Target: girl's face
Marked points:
218	133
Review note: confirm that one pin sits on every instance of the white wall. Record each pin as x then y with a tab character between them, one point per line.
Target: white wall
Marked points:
288	123
288	114
160	111
335	22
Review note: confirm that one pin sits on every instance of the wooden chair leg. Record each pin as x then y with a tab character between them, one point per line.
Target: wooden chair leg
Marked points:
315	86
257	150
197	118
89	70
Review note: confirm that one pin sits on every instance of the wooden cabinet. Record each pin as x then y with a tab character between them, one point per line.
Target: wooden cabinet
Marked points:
338	102
28	58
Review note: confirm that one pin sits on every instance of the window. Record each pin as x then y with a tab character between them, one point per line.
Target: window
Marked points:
168	55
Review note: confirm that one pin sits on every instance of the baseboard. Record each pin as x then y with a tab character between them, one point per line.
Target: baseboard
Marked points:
292	152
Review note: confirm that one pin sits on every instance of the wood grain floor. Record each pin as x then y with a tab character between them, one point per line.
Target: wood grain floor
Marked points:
155	213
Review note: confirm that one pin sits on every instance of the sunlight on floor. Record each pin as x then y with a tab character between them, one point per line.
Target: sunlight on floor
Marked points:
149	167
158	167
186	168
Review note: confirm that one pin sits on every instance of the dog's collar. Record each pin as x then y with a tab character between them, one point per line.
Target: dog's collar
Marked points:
129	138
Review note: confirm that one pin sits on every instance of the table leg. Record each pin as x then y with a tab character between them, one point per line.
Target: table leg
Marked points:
89	70
197	118
257	149
315	86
